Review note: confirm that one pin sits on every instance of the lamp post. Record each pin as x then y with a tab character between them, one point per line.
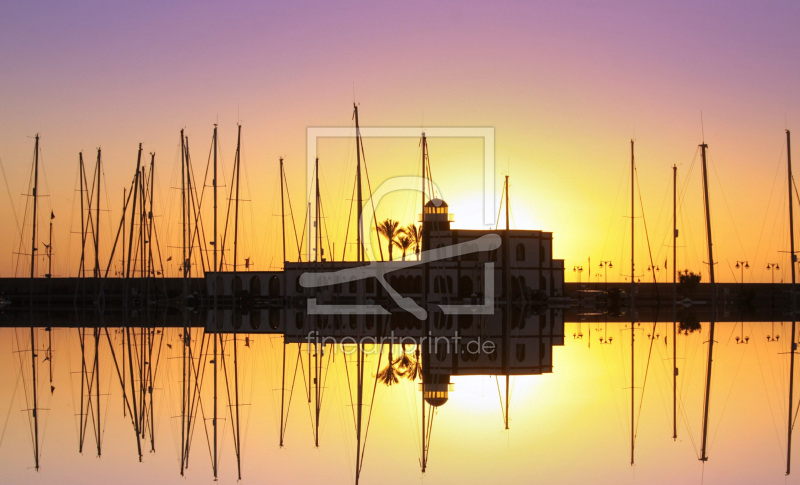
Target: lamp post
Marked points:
772	267
605	339
605	265
655	270
742	339
579	270
741	265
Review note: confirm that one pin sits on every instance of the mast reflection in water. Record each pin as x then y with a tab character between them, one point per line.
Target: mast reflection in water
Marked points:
564	426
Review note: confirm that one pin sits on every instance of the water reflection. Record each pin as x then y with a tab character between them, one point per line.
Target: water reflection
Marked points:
288	402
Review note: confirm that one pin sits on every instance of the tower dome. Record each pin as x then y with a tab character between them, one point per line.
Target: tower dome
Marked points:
436	389
435	216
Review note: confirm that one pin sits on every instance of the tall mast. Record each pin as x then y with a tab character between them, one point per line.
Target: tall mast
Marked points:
507	271
236	199
216	278
703	451
424	162
794	304
133	211
151	270
674	302
283	217
33	339
82	176
35	200
633	292
359	208
184	393
97	220
359	404
237	436
317	235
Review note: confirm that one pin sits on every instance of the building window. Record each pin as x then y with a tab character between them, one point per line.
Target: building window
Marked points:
520	352
520	252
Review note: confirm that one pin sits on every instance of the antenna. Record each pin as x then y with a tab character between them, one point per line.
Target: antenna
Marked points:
702	127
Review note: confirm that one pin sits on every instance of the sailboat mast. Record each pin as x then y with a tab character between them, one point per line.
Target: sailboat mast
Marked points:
507	271
216	278
97	220
35	187
185	292
360	202
317	234
33	337
236	199
283	216
424	160
794	304
704	455
359	400
633	293
82	176
133	212
674	302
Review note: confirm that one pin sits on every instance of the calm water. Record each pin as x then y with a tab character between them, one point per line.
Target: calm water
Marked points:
568	426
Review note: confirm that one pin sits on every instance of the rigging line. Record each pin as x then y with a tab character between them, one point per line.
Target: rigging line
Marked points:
500	396
647	237
325	226
372	401
372	201
727	398
10	406
771	192
350	392
349	216
644	381
291	390
727	206
769	404
614	210
500	209
306	388
291	213
325	379
11	200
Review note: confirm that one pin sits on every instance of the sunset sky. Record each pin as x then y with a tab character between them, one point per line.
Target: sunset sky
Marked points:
564	85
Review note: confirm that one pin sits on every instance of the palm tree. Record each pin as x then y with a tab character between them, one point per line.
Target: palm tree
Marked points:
389	374
404	242
414	233
389	230
414	368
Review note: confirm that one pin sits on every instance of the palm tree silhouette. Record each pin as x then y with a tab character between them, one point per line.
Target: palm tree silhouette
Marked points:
389	230
404	242
414	368
404	362
414	233
389	373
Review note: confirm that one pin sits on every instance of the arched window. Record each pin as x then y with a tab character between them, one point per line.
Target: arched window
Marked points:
541	253
520	252
520	352
464	287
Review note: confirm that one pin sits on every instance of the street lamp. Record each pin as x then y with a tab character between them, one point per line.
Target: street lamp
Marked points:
579	270
772	267
772	337
655	270
605	265
742	339
741	265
